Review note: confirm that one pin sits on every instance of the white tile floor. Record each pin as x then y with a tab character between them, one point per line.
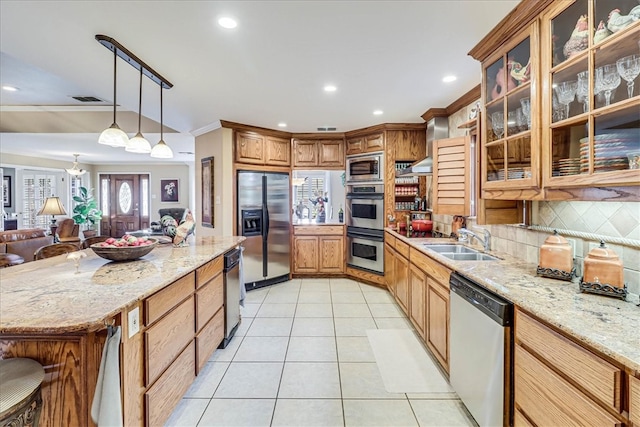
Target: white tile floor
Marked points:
301	357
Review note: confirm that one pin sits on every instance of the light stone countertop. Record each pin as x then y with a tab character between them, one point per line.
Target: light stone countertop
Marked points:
48	296
299	222
607	324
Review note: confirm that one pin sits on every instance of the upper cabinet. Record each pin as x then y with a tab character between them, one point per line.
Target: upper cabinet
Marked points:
256	149
323	153
511	127
365	144
561	102
591	93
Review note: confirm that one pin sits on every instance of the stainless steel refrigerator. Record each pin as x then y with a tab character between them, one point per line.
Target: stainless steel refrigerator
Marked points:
264	218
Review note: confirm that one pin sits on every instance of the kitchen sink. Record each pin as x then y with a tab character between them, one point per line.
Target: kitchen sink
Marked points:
478	256
451	248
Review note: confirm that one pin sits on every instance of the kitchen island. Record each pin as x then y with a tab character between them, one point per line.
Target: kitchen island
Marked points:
169	304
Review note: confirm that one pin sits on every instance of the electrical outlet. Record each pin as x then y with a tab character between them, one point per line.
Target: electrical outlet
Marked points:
573	244
134	321
217	200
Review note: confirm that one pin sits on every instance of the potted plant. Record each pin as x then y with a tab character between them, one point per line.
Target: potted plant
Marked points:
86	211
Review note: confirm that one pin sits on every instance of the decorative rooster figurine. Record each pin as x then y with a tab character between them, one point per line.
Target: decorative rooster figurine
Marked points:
178	233
579	39
519	73
602	32
619	22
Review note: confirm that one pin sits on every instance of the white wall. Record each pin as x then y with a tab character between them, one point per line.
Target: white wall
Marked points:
219	144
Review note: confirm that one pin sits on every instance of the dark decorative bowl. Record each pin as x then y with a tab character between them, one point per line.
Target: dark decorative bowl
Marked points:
124	253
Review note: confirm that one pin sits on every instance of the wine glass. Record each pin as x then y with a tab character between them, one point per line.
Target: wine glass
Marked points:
583	90
525	103
512	124
566	92
608	78
629	68
497	122
521	120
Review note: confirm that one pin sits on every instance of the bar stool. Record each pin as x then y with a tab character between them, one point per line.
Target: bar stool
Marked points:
20	399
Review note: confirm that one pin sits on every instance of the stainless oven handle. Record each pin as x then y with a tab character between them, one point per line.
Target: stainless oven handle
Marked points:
367	196
365	236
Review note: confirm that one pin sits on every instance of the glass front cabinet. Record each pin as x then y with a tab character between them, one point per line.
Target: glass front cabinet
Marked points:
591	93
510	124
562	102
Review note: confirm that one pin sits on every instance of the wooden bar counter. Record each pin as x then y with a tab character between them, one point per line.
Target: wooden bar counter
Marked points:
169	304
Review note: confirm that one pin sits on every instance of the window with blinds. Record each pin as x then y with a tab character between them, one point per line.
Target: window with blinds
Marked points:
36	187
309	190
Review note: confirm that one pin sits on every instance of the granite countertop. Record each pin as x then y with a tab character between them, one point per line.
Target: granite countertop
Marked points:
48	296
607	324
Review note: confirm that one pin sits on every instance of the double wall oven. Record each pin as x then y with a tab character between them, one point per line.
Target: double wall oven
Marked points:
365	212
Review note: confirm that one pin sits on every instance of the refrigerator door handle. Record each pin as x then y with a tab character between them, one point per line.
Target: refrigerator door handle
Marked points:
267	222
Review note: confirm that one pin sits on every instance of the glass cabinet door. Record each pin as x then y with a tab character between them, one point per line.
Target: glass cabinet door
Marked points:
591	108
508	119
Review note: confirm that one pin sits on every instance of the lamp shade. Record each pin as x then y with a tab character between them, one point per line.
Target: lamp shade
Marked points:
161	151
52	206
138	144
75	170
113	136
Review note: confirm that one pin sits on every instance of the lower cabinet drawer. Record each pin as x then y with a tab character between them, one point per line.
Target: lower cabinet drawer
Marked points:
209	299
548	400
598	377
166	339
209	338
161	399
634	401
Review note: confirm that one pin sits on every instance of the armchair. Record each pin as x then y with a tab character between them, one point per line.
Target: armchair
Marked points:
68	231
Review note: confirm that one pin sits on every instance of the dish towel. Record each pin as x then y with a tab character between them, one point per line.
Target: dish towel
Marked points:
106	409
243	289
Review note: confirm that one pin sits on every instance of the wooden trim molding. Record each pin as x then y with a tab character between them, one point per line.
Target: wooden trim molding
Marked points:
523	14
256	129
434	112
325	136
466	99
384	127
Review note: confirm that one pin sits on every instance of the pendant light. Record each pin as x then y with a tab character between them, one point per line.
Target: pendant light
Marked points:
161	150
138	144
75	170
113	135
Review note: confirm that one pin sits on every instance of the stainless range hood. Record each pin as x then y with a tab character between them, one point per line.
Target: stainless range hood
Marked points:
437	128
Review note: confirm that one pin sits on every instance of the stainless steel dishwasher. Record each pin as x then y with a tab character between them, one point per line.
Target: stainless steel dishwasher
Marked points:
480	351
231	294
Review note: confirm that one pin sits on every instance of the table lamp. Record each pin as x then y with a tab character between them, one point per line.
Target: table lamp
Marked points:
52	206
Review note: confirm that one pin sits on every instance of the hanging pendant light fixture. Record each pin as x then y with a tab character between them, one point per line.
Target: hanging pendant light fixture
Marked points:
75	170
113	135
161	150
138	144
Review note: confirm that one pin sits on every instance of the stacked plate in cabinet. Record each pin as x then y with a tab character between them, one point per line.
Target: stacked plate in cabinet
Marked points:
570	166
610	150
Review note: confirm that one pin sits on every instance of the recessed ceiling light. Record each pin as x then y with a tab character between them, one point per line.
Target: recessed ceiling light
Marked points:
449	79
282	125
227	22
10	88
330	88
377	112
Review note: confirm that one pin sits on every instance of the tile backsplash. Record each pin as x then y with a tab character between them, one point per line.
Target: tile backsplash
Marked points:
604	219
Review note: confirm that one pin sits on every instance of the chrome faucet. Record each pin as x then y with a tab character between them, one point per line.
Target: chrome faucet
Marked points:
486	242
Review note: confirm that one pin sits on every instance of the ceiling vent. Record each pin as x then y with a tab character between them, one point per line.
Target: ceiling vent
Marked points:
87	99
326	129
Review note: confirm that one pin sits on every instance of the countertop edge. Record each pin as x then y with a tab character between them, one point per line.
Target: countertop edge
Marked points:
467	269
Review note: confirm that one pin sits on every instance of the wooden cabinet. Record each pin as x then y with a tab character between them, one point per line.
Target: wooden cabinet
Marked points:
318	250
418	292
389	265
451	176
586	105
438	321
325	153
551	113
634	401
365	144
401	282
559	382
253	148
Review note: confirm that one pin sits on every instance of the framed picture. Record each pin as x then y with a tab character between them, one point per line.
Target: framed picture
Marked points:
207	192
169	190
6	191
